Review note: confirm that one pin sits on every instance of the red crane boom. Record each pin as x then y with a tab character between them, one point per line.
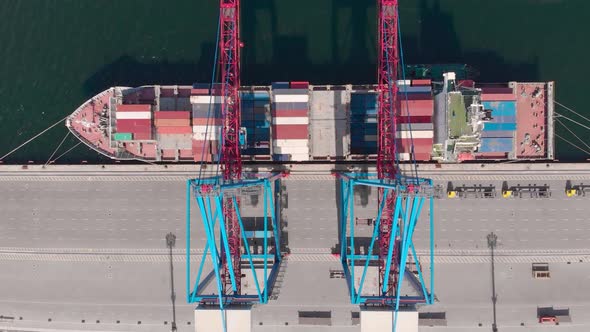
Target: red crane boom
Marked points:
387	168
229	47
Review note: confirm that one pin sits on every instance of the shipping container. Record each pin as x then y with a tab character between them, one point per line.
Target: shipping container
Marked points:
275	113
174	130
197	92
497	133
290	106
415	119
504	119
291	149
414	89
281	157
299	156
290	120
207	121
133	115
496	144
172	123
499	126
416	107
172	115
134	126
134	108
281	142
497	97
276	92
299	85
414	134
414	96
279	85
251	96
290	132
415	126
206	99
291	98
142	136
122	136
422	82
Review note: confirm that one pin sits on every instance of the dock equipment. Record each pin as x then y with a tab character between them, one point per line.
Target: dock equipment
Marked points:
576	190
541	271
534	190
218	196
390	255
476	191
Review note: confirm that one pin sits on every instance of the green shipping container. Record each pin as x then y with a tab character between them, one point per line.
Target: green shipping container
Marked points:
123	136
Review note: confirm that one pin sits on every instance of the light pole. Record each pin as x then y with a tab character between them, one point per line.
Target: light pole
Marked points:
170	241
492	238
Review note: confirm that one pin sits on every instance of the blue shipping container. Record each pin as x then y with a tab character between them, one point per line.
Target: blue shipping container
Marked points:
496	144
279	85
290	91
504	119
255	96
501	108
499	126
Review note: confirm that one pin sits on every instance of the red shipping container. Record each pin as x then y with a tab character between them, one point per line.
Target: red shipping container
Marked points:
422	82
134	108
416	107
289	113
172	122
497	97
186	154
414	119
290	132
134	126
172	115
421	145
413	96
175	130
422	156
205	121
299	85
467	83
168	153
199	92
142	136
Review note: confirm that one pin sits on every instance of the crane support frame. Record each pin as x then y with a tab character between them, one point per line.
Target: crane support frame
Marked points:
410	195
210	194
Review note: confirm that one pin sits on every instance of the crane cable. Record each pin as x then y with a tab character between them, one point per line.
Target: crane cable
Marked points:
572	144
574	121
571	132
211	98
571	110
59	146
401	54
32	138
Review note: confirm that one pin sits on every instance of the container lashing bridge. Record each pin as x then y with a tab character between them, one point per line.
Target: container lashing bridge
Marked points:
400	198
218	198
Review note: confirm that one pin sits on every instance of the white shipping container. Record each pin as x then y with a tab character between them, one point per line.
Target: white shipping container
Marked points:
133	115
404	82
291	98
202	129
291	150
415	134
404	156
300	157
291	120
205	99
290	142
209	137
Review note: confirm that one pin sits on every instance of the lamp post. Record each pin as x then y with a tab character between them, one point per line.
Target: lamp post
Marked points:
492	239
170	242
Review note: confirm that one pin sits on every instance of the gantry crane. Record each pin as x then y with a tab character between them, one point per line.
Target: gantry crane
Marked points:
400	197
218	197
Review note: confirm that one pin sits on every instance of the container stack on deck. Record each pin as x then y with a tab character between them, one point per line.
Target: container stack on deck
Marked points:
174	132
206	122
290	120
415	121
497	138
255	106
363	123
135	120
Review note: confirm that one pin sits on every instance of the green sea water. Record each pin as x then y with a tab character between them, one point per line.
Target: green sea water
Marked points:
56	54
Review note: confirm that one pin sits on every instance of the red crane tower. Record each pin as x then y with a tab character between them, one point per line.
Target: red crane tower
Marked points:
387	167
229	46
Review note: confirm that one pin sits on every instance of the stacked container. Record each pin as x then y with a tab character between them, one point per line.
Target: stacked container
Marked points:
290	120
206	121
173	122
363	123
254	106
415	121
134	119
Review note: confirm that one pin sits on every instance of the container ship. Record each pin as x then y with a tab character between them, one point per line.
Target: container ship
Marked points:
451	119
